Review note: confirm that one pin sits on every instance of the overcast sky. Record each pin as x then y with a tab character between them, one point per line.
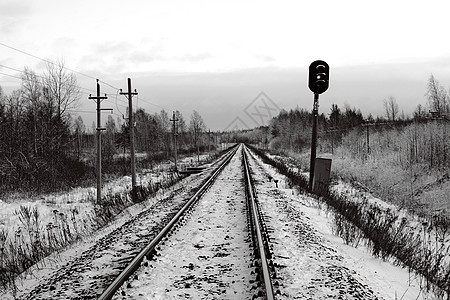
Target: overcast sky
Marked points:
217	56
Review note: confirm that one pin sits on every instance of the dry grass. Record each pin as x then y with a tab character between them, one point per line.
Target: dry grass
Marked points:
423	247
64	219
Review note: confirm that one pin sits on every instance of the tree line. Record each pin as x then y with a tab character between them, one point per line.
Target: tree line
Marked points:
35	129
402	159
154	135
291	130
44	148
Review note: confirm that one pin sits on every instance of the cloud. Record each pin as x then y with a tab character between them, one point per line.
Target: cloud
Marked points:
265	58
63	43
194	57
148	53
13	15
111	48
221	97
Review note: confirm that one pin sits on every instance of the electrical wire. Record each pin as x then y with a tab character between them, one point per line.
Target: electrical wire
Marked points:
74	71
55	64
38	76
3	66
1	73
151	103
123	116
44	60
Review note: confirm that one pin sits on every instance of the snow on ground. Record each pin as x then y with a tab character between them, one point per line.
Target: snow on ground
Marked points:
315	263
209	256
311	262
77	200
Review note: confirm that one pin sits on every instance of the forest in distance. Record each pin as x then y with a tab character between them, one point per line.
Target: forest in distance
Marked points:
44	148
402	159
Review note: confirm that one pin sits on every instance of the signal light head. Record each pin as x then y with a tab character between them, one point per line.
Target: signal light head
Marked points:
318	76
321	68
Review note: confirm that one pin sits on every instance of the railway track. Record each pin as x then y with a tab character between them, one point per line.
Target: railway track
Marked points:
222	244
85	272
109	265
224	241
260	241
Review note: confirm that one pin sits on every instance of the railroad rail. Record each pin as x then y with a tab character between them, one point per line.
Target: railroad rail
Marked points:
136	262
262	251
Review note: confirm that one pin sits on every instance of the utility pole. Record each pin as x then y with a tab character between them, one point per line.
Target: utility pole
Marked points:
175	133
98	100
209	141
368	140
131	123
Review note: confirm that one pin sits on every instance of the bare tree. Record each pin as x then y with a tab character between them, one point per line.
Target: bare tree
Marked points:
31	86
391	108
196	127
438	98
335	115
14	110
109	143
419	113
31	93
182	129
164	123
79	131
61	87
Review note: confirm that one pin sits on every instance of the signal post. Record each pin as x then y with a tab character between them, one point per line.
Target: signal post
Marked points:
317	83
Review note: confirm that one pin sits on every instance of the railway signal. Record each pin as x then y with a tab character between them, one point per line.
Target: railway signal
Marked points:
318	76
319	73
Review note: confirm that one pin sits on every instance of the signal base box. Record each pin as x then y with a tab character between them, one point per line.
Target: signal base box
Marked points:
321	179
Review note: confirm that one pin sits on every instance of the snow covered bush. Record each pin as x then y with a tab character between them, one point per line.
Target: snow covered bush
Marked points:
423	247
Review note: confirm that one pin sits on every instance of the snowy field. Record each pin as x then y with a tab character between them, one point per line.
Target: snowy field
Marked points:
323	264
73	211
433	241
78	200
311	261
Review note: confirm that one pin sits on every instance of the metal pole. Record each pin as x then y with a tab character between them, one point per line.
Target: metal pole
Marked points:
313	140
131	123
175	133
130	118
209	141
368	140
176	146
99	142
99	147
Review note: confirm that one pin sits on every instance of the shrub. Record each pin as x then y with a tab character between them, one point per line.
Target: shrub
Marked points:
386	233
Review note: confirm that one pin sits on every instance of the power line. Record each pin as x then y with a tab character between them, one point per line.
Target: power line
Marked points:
83	111
1	73
151	103
11	68
104	82
78	112
44	60
55	64
39	76
71	70
115	103
89	91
